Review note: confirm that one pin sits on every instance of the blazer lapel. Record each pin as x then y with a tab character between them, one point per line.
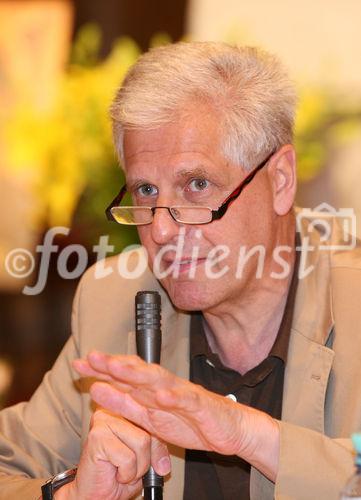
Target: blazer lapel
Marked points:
309	361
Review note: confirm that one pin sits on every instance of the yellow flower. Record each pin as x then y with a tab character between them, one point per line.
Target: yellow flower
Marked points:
62	150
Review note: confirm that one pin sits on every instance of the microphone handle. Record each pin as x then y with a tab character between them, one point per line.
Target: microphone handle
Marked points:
148	340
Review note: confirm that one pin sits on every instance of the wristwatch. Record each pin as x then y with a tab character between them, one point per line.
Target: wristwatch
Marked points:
54	483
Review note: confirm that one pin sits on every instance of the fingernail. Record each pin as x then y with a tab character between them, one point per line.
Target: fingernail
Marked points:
164	466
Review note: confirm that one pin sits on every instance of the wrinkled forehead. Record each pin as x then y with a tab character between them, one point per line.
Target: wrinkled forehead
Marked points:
193	132
172	156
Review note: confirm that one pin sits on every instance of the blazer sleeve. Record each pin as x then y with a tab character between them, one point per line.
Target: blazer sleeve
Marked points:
42	437
311	464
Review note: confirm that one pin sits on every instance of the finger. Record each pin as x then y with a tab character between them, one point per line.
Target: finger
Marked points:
138	440
142	376
83	368
125	367
148	449
180	398
100	365
131	371
96	364
121	457
100	361
120	403
125	460
183	396
133	437
160	459
195	405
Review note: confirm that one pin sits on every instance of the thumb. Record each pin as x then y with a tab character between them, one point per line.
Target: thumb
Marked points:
159	457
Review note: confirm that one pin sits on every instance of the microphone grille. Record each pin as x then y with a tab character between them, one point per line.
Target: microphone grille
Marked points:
147	310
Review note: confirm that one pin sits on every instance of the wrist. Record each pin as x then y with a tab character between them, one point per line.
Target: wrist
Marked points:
261	442
55	483
66	492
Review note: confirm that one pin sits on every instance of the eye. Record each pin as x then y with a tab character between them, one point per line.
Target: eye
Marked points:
196	185
146	190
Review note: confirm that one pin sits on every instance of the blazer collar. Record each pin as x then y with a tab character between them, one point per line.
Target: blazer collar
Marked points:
313	316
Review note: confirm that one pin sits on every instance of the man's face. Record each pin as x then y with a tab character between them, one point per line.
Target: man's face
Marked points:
182	164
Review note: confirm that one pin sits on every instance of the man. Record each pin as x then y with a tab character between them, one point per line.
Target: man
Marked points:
205	134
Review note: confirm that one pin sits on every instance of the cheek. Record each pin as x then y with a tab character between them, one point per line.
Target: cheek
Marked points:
226	233
142	232
239	235
146	239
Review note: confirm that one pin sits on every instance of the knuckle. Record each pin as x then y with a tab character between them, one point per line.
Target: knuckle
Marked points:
97	415
128	468
99	428
158	449
96	433
197	393
144	442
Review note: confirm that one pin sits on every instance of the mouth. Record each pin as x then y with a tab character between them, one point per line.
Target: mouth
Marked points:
183	265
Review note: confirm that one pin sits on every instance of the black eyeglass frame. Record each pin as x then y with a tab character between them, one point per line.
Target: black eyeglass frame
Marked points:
216	214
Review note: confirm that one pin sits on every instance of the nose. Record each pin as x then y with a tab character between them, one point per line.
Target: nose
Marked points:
164	228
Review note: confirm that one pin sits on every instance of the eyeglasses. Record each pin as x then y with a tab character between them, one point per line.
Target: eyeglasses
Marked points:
140	216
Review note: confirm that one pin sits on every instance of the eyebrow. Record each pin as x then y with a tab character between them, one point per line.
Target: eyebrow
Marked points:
196	172
200	171
183	173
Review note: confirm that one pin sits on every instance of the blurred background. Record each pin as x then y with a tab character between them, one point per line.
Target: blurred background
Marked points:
60	63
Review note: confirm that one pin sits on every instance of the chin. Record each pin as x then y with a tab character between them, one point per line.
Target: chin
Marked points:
190	296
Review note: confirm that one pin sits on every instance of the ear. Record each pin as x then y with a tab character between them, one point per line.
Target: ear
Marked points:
282	175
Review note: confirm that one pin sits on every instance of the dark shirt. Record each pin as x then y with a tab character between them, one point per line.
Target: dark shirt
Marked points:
209	475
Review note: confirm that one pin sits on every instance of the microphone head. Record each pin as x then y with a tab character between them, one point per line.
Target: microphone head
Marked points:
148	297
148	325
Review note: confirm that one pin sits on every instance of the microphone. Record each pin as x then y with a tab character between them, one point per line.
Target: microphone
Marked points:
148	340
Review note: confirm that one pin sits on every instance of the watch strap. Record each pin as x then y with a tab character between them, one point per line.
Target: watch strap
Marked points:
54	483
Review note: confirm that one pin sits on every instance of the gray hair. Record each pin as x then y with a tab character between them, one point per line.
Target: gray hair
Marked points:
247	88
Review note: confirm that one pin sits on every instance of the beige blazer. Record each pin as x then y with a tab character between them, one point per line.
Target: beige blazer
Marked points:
321	403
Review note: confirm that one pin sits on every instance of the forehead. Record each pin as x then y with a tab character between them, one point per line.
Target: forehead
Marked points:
193	139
